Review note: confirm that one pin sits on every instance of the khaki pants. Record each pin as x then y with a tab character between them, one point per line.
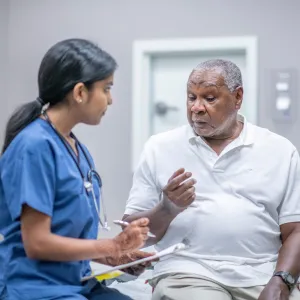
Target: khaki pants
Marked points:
182	286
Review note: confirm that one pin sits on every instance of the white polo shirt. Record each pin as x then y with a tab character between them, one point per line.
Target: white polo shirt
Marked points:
242	196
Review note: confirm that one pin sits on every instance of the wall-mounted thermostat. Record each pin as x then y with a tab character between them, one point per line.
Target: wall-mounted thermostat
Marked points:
284	95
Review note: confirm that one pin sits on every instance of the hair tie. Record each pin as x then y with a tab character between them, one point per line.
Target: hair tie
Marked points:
40	100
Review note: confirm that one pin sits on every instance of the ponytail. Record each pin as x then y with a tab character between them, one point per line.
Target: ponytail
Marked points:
22	117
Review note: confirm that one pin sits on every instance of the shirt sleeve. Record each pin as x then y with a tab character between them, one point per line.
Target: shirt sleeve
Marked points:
289	210
30	179
145	193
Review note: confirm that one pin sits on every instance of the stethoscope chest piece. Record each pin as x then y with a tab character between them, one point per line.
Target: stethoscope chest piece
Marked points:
88	186
105	226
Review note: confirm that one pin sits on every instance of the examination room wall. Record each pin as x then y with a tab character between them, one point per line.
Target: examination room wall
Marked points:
4	17
34	25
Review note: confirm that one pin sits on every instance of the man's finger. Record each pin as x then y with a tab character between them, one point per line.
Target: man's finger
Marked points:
187	196
175	182
176	173
186	185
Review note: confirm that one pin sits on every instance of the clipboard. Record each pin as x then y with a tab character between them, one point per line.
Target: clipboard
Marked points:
108	269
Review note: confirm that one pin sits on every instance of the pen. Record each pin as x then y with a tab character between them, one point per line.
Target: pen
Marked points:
124	223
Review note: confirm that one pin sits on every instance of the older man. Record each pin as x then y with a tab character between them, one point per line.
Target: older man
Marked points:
235	198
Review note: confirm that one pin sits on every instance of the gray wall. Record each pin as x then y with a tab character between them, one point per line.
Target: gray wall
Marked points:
4	17
35	25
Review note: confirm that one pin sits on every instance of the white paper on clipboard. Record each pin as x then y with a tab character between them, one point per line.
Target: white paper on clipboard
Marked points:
107	269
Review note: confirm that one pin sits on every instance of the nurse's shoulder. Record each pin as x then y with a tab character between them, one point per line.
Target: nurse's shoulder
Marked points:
34	139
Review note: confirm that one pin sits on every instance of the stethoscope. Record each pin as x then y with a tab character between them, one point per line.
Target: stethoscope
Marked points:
92	173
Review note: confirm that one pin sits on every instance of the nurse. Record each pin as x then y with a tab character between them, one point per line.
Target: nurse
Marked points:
48	216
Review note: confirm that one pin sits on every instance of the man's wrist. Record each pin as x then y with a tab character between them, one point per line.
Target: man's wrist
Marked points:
278	281
169	207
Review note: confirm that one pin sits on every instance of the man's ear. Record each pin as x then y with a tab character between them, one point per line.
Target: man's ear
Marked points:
239	94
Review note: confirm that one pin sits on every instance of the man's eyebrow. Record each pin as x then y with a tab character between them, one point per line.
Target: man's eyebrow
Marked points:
209	84
204	83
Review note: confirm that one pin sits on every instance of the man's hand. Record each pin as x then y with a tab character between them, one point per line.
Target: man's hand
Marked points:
180	190
178	194
276	289
127	258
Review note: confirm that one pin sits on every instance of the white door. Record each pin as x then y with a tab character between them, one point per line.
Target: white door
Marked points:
168	79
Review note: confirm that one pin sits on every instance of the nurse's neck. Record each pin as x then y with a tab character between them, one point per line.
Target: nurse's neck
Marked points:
63	119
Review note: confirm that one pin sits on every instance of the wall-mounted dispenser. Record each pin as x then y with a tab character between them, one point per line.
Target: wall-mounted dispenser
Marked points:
284	95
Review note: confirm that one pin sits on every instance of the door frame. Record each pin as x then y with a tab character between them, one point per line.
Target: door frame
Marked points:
144	50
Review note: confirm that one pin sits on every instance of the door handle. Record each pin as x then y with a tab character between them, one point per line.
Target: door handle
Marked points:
161	108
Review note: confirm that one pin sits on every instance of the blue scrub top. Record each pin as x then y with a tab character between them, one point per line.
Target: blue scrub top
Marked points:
37	170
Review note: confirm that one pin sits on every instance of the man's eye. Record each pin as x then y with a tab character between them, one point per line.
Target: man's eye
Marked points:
210	99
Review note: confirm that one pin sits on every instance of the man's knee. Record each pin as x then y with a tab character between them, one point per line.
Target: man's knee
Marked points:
182	287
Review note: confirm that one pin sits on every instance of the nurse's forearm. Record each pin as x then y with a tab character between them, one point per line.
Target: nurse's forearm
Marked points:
160	218
41	244
57	248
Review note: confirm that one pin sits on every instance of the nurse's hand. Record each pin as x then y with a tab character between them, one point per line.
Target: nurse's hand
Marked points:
179	193
127	258
133	236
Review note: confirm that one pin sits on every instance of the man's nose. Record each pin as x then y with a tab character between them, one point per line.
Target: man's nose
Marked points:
198	107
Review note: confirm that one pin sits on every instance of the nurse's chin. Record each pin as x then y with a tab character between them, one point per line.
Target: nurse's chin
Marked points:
98	121
94	121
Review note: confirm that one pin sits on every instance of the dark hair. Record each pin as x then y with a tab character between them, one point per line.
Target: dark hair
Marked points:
65	64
